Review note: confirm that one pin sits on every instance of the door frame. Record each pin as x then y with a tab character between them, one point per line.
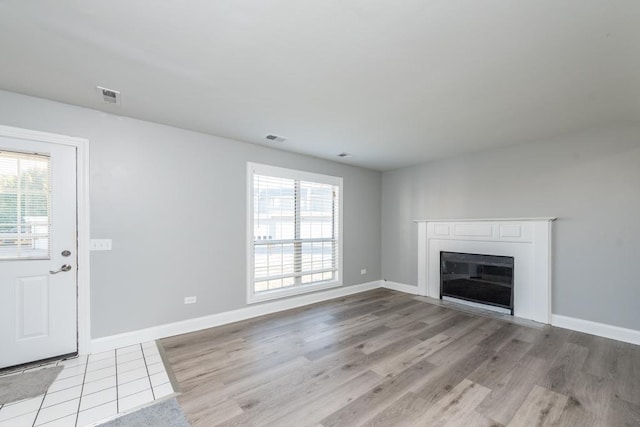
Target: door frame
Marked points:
82	196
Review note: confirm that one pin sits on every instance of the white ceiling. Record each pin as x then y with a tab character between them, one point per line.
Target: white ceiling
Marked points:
393	83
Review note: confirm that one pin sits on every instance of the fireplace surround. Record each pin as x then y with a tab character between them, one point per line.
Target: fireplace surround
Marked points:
526	240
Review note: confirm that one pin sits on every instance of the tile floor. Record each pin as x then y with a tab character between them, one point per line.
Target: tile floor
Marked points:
93	388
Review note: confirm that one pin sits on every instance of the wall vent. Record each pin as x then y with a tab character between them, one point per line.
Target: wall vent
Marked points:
109	96
275	138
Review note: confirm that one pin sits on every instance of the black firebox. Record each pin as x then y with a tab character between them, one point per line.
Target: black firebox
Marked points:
486	279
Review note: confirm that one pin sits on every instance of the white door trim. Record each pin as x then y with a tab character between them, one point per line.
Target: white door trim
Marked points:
82	147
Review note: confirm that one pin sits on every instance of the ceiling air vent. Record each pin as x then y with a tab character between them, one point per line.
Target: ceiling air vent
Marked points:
276	138
109	96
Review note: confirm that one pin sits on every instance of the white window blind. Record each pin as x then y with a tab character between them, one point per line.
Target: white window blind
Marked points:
295	231
25	206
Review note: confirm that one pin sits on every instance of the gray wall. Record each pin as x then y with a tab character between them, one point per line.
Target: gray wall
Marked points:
146	177
591	181
174	203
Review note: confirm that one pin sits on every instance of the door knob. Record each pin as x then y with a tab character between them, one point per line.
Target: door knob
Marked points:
65	267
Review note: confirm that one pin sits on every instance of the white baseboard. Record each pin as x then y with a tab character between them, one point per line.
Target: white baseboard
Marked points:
255	310
594	328
400	287
192	325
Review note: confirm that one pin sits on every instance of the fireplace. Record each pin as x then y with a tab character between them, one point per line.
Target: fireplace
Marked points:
527	241
484	279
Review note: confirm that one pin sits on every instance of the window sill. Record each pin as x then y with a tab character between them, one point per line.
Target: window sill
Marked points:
284	293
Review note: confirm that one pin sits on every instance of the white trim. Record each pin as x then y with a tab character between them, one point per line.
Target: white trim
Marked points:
82	183
400	287
542	218
295	174
249	237
34	135
84	261
197	324
284	293
423	250
253	168
594	328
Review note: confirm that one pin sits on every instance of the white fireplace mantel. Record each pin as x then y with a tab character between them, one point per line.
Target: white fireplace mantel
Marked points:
527	240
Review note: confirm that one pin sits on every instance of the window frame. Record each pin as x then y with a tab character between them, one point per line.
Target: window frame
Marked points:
275	171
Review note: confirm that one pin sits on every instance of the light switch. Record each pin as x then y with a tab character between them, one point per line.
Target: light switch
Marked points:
100	245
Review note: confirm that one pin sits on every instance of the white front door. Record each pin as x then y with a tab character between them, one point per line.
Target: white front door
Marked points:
38	251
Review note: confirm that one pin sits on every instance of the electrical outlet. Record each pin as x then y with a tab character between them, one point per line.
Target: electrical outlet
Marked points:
190	300
100	245
363	271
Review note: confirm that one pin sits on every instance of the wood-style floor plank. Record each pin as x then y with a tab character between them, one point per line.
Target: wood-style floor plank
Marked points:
457	407
414	330
622	413
327	403
511	391
589	400
494	369
542	407
382	395
403	412
383	358
402	361
626	384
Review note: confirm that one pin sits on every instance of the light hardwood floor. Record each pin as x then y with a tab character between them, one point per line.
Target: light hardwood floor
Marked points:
383	358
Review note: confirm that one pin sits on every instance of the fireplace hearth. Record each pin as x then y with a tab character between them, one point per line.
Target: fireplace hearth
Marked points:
484	279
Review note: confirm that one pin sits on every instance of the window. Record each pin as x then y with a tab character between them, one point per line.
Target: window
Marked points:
294	231
25	206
